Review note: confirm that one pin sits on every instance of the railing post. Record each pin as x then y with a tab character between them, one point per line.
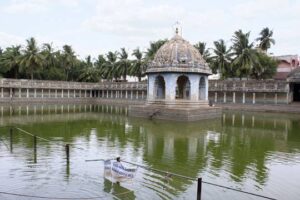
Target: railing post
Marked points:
68	152
34	149
199	188
11	139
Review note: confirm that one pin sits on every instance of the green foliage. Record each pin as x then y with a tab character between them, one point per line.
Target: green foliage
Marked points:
31	59
265	39
266	68
123	64
201	47
221	61
138	64
9	61
239	60
154	46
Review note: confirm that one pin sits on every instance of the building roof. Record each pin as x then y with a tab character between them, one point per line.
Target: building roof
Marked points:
288	58
294	76
178	55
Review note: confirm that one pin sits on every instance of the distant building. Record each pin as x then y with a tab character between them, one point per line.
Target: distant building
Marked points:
287	63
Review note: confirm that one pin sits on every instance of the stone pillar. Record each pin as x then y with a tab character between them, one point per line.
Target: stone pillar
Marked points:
35	93
2	94
287	98
216	97
112	94
150	87
253	100
55	93
224	100
107	94
170	83
91	93
74	93
20	92
206	88
27	93
137	94
84	93
62	93
49	93
42	93
244	98
233	97
194	85
126	95
68	93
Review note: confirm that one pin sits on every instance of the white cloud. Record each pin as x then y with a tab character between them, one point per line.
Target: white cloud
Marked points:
132	17
103	25
7	40
35	6
272	9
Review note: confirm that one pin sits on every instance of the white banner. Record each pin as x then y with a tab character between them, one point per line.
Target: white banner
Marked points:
117	170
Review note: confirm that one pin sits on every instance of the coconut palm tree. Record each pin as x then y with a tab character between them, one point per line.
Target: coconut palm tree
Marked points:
89	72
201	47
31	58
245	57
50	59
265	39
123	64
154	46
221	59
10	60
68	59
100	65
138	64
109	67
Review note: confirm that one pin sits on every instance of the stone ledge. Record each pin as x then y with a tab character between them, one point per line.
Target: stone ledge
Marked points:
175	113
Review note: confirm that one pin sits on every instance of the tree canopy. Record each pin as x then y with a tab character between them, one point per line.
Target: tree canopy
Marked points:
239	59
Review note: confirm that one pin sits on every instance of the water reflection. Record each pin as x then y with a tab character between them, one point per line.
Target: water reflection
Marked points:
241	149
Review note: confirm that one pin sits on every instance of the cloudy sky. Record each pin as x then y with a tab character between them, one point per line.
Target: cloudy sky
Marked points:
97	26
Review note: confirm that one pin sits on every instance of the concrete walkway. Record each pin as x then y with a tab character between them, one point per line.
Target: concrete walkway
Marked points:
280	108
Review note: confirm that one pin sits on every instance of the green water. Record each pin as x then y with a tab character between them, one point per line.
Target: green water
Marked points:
255	152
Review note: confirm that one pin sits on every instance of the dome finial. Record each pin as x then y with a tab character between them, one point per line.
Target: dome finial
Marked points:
177	28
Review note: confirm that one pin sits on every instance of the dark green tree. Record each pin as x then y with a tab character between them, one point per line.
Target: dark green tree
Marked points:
245	56
201	47
266	68
221	60
109	69
10	61
68	60
31	59
265	39
123	64
154	46
89	72
138	64
49	55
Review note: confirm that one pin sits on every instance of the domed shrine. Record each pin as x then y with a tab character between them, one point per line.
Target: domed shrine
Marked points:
177	84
